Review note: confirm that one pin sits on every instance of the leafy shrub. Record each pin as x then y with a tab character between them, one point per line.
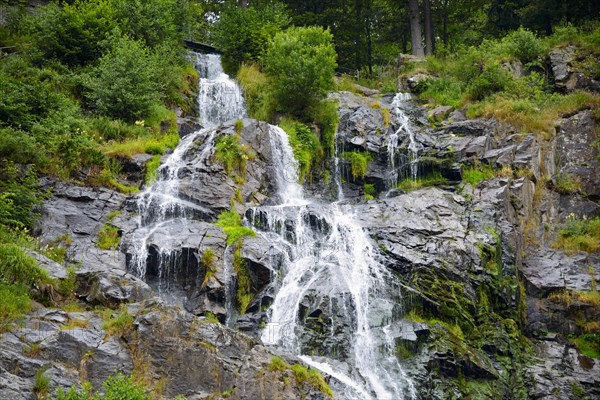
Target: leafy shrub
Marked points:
152	22
74	34
20	196
20	147
124	83
232	155
14	303
359	162
445	91
257	92
305	144
302	63
370	191
108	237
242	34
116	387
523	45
493	79
25	102
231	222
579	235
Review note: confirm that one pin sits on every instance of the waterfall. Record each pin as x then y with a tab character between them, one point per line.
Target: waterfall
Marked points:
220	98
328	258
160	206
396	161
331	253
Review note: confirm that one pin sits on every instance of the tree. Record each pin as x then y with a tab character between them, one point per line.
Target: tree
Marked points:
124	83
415	28
429	40
242	34
302	62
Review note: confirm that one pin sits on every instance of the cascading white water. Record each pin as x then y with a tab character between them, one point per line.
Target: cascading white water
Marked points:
328	252
220	99
345	260
404	129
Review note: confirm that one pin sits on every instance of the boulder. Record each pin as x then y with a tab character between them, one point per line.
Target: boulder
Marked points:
439	113
567	76
109	288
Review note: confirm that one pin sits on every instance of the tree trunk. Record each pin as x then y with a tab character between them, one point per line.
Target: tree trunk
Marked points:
428	28
369	37
415	28
445	25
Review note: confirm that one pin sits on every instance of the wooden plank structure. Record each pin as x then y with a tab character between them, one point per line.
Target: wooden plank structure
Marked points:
201	47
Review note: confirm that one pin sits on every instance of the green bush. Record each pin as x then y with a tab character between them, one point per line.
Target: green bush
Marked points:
232	155
151	21
20	147
242	34
523	45
116	387
231	222
20	196
17	267
359	162
305	144
301	63
445	91
14	303
493	79
124	83
74	34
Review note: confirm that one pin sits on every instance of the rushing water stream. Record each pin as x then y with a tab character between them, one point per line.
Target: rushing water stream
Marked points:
329	259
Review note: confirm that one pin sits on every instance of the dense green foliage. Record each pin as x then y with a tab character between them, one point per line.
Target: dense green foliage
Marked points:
123	84
116	387
231	222
118	59
302	63
478	78
305	144
243	34
233	155
359	162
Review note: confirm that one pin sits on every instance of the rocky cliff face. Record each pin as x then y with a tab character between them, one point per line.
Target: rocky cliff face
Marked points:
485	305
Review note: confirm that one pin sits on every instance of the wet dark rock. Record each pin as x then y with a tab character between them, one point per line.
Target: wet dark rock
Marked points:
567	76
562	373
134	168
78	213
111	288
576	157
208	358
187	126
207	183
439	113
